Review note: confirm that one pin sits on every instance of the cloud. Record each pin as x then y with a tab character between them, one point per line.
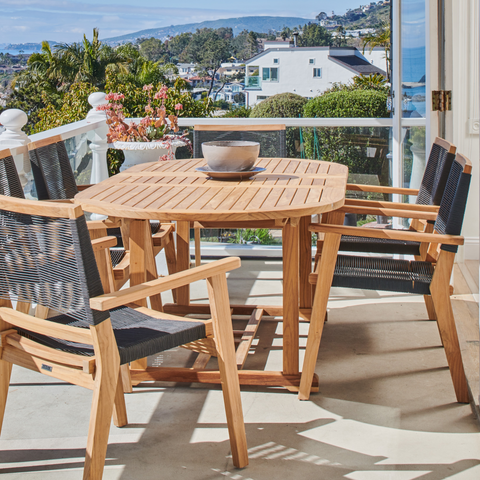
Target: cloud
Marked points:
67	20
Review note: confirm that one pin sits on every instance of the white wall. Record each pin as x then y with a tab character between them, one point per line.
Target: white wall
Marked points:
462	44
376	57
295	74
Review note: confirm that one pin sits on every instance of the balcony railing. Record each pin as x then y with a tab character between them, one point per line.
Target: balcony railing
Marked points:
365	140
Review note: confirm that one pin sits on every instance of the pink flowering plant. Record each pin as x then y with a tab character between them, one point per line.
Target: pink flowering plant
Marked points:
155	126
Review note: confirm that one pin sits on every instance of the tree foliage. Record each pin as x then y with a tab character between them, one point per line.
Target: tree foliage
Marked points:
314	35
283	105
208	48
73	108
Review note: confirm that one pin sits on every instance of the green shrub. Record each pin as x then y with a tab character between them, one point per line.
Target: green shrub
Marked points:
348	104
283	105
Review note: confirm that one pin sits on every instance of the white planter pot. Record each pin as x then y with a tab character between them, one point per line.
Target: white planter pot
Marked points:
144	152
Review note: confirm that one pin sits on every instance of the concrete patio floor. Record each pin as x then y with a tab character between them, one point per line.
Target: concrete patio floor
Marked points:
386	407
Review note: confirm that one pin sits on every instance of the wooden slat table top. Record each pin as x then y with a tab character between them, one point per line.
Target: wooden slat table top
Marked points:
174	190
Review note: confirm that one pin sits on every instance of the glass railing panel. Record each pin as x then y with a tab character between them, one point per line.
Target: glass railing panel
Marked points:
253	82
80	155
365	150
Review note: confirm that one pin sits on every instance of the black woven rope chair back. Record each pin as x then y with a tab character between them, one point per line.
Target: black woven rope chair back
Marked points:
9	180
52	172
49	261
436	173
454	201
272	138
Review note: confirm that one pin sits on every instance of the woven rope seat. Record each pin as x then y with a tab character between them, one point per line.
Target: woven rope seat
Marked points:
137	335
374	273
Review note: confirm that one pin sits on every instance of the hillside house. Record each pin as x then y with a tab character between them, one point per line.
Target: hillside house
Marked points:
186	69
306	71
230	93
231	69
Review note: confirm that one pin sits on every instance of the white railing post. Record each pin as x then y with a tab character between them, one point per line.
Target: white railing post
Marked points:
13	137
98	138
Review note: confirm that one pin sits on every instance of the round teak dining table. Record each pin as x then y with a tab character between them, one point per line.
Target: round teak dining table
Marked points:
284	196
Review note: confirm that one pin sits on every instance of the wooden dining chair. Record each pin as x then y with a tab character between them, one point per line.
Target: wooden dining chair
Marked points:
428	198
426	277
47	258
55	180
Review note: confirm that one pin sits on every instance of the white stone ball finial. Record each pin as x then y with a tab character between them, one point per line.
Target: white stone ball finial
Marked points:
13	120
95	100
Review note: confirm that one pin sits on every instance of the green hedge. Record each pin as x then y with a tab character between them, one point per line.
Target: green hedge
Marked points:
348	104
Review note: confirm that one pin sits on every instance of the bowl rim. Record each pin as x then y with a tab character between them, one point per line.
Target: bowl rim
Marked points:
230	143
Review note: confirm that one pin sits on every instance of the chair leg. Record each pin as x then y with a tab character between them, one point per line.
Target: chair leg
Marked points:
222	325
126	378
430	307
5	374
440	290
326	269
171	256
198	254
120	410
104	391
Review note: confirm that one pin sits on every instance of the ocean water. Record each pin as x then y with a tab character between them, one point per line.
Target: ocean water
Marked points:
17	52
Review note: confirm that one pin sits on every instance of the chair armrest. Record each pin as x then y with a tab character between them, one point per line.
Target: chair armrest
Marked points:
389	212
103	243
381	189
45	327
154	287
406	235
395	205
83	187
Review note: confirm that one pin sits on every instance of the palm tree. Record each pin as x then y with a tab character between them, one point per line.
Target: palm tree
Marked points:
90	61
381	38
46	66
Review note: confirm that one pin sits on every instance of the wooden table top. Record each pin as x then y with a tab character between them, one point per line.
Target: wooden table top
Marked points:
174	190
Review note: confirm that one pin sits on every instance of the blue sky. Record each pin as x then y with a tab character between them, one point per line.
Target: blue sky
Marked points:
67	20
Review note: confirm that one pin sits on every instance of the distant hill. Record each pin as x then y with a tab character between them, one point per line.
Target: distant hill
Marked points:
25	46
256	24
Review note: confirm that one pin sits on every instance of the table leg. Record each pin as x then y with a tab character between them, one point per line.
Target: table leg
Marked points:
306	297
142	259
290	298
183	259
326	269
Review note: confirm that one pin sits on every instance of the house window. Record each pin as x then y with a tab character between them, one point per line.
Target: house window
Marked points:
317	72
311	61
270	74
275	60
261	98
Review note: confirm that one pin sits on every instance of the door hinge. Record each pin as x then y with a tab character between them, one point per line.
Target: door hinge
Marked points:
441	100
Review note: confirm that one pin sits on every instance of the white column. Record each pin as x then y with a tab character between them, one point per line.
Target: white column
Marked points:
13	137
98	138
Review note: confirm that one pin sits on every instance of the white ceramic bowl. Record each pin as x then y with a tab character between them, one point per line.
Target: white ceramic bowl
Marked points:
230	156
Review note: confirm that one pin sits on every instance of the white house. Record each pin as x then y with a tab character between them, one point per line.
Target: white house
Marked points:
306	71
231	69
229	93
185	69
